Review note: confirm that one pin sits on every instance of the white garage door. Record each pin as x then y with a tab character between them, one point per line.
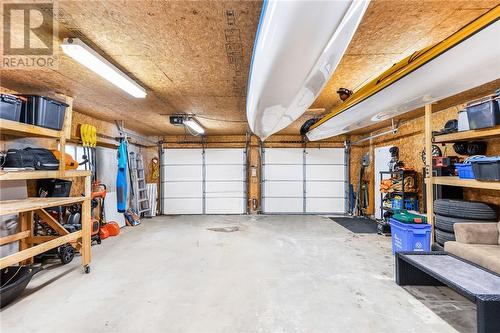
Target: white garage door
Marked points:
203	182
283	180
225	181
297	180
182	181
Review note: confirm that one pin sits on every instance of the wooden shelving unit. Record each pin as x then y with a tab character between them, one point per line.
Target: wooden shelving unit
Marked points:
486	133
472	183
431	180
30	245
19	129
20	175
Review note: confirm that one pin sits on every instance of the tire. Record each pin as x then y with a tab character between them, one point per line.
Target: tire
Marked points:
445	223
464	209
443	236
66	254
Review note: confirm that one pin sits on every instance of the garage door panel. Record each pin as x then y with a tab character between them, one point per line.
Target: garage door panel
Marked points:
186	171
224	156
182	156
224	206
283	156
283	205
182	173
325	189
224	189
324	181
183	190
324	156
324	205
325	172
225	172
283	189
183	206
283	172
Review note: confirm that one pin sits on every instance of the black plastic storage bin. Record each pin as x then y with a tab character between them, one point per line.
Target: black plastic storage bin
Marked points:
484	114
487	168
43	111
10	107
54	187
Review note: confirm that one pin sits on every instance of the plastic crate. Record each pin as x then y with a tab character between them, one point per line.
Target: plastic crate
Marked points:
410	237
10	107
397	203
410	204
484	114
487	168
464	170
43	111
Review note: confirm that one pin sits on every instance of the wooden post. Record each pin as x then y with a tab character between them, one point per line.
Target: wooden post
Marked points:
429	186
24	225
86	226
254	176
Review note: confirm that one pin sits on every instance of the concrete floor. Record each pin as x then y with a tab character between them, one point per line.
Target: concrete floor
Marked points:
274	274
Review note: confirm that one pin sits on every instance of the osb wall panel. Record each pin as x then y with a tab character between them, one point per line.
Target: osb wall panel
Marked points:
410	141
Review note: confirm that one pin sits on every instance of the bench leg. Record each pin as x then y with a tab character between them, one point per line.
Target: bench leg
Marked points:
409	275
488	314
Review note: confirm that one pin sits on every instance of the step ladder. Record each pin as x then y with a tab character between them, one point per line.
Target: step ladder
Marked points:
140	200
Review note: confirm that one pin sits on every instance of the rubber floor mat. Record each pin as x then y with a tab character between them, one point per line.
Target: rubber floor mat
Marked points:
358	225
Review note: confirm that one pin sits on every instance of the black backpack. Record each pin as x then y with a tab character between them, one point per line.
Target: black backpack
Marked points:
31	158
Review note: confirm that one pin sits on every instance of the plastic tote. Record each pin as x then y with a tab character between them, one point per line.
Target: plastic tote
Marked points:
10	107
487	168
485	113
410	237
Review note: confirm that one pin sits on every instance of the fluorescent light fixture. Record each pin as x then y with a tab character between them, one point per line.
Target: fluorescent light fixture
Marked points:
194	125
89	58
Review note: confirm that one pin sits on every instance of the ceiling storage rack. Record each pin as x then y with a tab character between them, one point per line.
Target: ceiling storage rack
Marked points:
486	133
29	244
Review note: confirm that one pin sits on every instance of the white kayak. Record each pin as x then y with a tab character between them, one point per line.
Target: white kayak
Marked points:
465	60
297	48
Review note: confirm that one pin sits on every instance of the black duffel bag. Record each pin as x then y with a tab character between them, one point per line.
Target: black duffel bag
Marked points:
31	158
19	158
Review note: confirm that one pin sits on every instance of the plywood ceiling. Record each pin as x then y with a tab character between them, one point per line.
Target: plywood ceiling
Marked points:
194	56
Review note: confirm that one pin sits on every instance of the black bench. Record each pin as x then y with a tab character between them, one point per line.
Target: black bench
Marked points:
468	279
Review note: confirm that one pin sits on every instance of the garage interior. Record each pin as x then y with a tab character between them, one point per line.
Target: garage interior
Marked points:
189	221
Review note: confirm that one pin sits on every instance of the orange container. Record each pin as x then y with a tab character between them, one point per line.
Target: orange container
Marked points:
103	232
71	164
113	228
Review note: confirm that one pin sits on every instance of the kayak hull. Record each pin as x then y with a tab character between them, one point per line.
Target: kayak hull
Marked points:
468	64
298	47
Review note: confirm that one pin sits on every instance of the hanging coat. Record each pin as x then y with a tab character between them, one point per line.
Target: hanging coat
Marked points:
121	178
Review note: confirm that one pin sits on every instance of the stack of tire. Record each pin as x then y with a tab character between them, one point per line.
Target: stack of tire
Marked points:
448	212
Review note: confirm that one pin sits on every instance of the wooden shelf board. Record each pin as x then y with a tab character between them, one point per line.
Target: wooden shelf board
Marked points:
33	251
29	204
41	174
25	130
468	135
455	181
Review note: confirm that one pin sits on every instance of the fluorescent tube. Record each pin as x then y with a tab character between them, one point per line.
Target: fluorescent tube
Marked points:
89	58
194	125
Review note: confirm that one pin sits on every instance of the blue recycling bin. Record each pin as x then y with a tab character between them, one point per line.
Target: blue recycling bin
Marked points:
410	236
